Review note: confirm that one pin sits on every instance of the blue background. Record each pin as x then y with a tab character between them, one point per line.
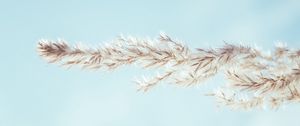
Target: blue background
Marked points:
34	93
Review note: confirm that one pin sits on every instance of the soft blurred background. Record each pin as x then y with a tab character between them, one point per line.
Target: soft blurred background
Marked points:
34	93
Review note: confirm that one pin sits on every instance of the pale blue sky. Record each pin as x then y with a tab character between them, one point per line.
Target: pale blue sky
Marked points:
34	93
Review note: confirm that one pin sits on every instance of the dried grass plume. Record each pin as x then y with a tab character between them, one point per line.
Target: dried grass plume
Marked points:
255	79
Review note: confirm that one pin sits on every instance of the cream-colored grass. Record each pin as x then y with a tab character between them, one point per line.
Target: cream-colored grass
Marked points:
255	79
